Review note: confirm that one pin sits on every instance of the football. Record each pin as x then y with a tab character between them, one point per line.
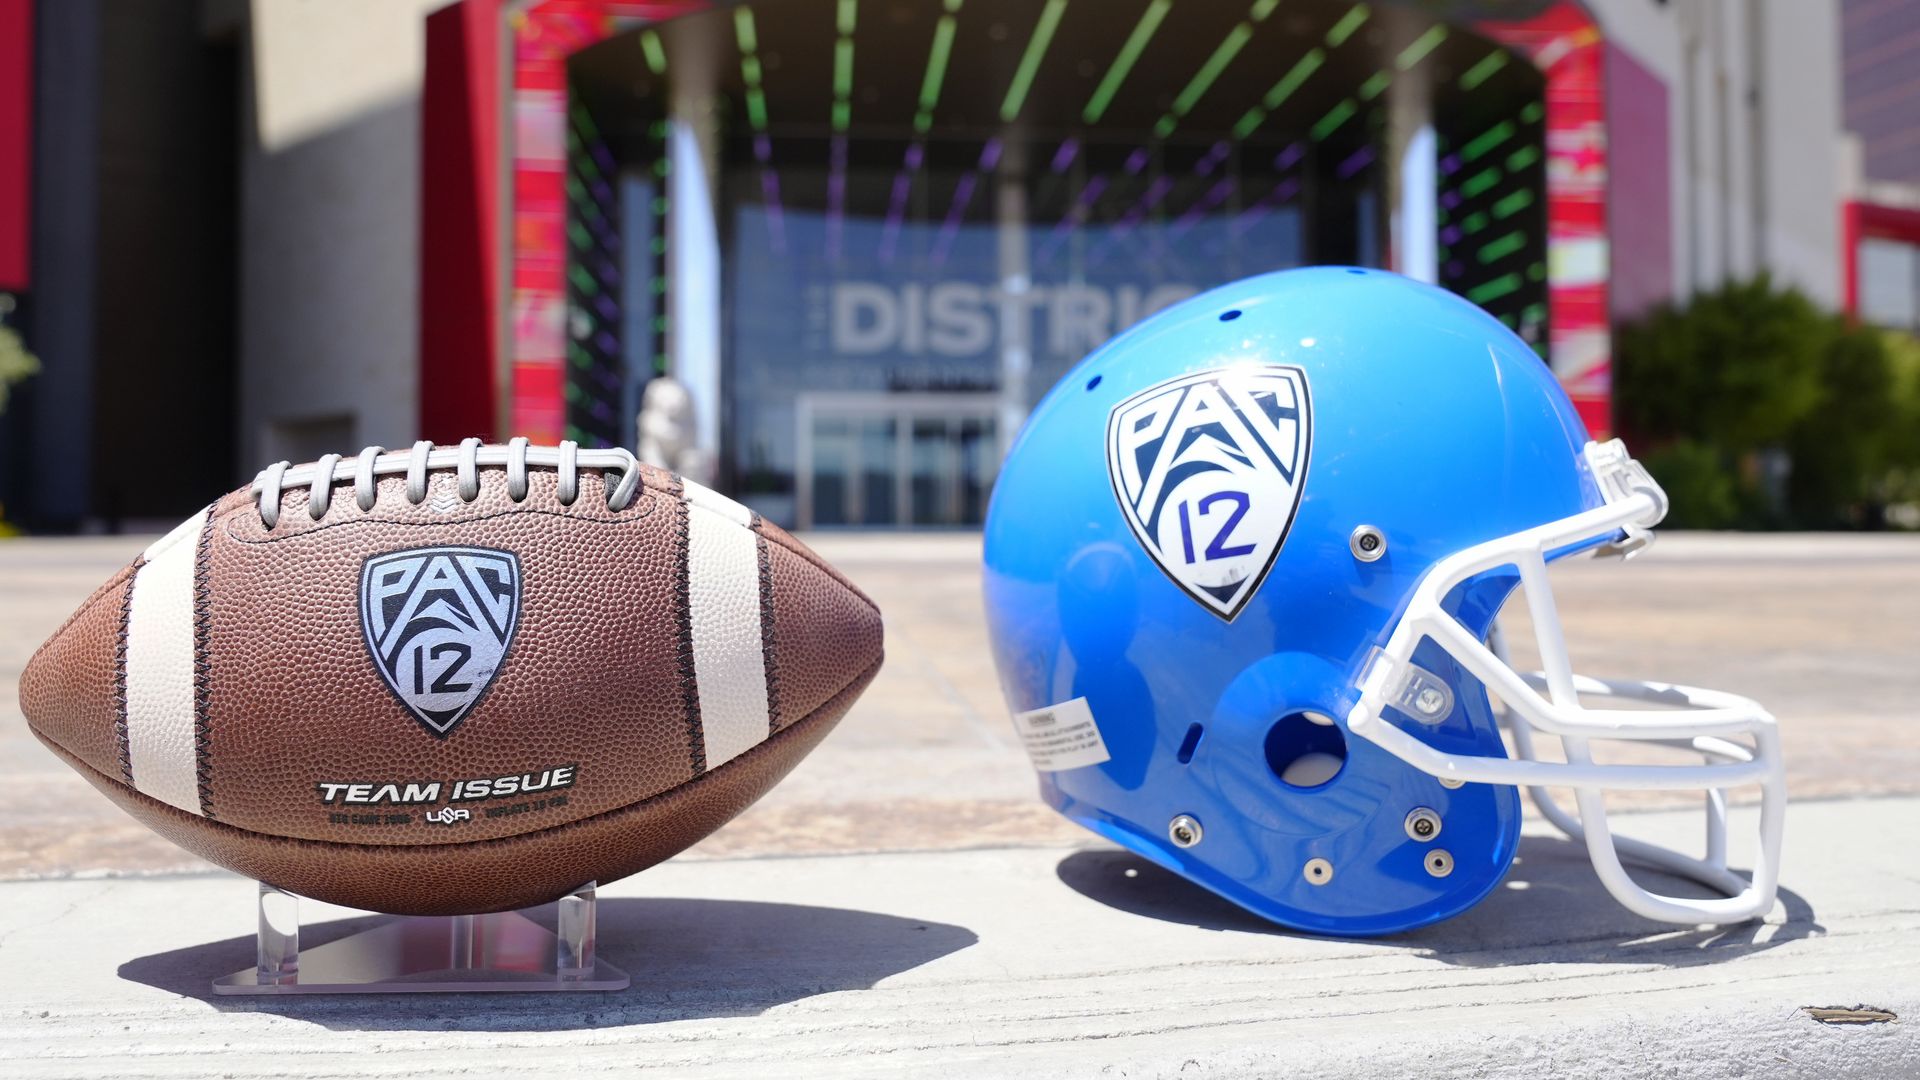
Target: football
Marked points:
453	680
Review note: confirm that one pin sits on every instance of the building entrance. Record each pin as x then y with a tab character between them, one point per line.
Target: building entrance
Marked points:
895	460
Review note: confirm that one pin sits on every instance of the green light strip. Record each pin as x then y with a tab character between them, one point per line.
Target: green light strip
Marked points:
1223	55
1487	140
743	29
1251	120
936	68
1336	116
582	120
656	56
1522	158
750	68
1474	222
1495	289
842	69
1514	203
1480	181
1123	63
843	22
1348	23
1030	60
1291	81
1483	70
1532	112
1421	46
1501	247
1534	312
1372	87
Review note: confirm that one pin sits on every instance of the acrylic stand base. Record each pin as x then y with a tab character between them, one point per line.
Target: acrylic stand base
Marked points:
505	951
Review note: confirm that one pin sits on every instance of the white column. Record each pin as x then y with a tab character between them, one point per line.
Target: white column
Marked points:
693	228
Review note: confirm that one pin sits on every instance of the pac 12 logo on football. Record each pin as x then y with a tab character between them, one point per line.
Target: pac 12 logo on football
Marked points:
1209	469
438	621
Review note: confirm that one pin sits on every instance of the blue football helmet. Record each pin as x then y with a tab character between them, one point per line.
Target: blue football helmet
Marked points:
1242	571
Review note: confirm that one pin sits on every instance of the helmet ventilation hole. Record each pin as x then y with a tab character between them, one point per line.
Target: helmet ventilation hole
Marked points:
1093	382
1191	743
1230	315
1306	750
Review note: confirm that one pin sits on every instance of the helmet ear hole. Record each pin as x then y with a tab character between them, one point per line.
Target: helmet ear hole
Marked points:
1306	750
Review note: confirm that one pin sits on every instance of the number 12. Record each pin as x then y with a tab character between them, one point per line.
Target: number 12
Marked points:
1217	548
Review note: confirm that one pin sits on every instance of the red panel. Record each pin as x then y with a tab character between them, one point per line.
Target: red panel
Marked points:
16	141
545	33
459	231
1563	42
1868	221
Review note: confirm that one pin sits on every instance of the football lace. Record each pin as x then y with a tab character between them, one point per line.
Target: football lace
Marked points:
375	461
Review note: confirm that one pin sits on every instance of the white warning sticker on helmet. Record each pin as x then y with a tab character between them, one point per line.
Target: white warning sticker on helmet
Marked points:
1062	736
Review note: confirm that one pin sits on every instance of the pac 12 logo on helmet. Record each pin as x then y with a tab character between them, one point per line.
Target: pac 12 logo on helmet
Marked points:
438	621
1208	469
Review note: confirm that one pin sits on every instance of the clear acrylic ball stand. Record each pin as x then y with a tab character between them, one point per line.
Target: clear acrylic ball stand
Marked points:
504	951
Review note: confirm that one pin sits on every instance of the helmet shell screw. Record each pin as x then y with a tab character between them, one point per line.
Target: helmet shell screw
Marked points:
1367	543
1184	830
1422	824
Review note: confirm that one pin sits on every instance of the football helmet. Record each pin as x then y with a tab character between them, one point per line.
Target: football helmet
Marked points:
1242	568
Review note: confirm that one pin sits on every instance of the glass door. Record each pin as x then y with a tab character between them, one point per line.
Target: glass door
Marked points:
894	461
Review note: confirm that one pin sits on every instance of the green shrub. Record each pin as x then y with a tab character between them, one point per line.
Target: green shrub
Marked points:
1698	483
1713	392
16	363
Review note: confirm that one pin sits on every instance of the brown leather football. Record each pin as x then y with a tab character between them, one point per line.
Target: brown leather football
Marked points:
453	680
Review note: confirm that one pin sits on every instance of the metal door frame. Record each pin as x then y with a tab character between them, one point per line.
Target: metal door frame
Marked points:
903	409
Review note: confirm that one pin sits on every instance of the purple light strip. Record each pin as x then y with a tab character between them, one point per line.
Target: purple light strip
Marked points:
836	196
962	195
762	148
1358	160
1156	191
1286	159
1065	225
1215	195
1213	158
962	198
897	207
1063	157
1253	215
776	217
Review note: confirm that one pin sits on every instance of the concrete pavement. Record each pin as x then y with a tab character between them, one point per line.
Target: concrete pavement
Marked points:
902	905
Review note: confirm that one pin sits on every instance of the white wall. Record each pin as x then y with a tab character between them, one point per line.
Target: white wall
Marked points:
1754	143
329	260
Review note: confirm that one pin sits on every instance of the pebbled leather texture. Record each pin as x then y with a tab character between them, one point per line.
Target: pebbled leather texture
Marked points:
601	674
70	691
498	875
